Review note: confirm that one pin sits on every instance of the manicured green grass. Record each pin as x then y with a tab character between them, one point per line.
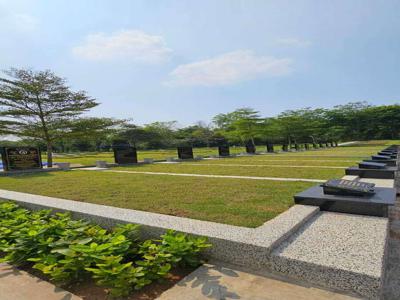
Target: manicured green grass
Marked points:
231	201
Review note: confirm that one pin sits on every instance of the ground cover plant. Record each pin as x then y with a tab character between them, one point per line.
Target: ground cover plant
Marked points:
67	250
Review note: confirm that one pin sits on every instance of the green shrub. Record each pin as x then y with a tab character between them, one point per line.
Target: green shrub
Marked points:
68	250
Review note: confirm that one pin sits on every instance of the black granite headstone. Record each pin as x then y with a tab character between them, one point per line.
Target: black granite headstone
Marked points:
388	162
381	157
371	165
385	173
373	205
223	150
21	158
125	155
185	152
270	147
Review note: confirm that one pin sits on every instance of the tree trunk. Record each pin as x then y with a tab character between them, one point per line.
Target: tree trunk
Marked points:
49	155
252	141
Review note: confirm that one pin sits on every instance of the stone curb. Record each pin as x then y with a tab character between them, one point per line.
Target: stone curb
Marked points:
233	244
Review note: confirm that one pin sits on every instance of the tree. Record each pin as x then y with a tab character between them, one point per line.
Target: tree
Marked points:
40	105
243	124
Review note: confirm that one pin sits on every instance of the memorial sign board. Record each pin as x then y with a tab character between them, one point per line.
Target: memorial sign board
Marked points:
185	152
21	158
125	155
223	150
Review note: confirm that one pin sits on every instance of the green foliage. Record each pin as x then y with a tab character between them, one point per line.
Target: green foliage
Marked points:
68	250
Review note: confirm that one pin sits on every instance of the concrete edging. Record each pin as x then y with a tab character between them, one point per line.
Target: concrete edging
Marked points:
233	244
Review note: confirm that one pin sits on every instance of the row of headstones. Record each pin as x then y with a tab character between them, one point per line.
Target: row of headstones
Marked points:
128	155
382	166
355	196
28	158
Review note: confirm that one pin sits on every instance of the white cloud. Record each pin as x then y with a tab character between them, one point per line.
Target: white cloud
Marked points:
124	45
18	22
228	68
293	42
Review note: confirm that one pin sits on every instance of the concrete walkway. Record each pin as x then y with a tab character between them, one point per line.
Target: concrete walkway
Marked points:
273	166
19	285
219	282
214	176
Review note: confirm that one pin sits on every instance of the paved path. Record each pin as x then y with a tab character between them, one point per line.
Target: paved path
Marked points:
213	176
273	166
218	282
19	285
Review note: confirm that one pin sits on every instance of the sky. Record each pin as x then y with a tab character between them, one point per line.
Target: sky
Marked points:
189	60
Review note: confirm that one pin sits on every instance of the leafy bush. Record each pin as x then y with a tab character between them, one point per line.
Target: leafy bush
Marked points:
68	250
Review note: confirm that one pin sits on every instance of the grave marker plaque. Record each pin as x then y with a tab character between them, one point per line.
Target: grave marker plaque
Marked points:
223	150
348	188
185	152
21	158
125	155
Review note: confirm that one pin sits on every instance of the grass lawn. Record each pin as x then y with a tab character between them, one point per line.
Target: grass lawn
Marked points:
232	201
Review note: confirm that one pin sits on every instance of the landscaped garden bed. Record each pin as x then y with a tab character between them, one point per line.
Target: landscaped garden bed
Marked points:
89	260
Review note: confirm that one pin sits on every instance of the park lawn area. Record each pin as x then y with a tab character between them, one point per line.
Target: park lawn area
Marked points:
239	202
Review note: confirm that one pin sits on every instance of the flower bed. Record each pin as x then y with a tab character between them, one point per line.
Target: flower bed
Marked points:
68	251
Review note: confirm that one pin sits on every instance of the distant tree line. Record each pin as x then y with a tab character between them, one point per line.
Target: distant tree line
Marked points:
39	108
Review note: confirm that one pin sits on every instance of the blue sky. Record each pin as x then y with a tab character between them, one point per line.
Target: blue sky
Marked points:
190	60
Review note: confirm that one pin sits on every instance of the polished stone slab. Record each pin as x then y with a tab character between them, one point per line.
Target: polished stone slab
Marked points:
386	173
375	205
388	162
